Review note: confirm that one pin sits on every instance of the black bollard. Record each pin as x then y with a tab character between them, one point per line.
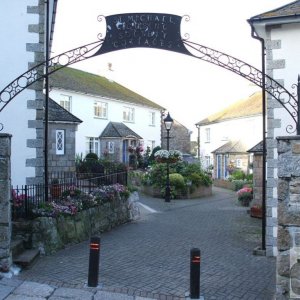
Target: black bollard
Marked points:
195	273
94	261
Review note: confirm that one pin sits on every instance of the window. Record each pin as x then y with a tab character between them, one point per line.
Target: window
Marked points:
60	142
238	163
100	110
128	114
151	144
92	145
152	118
207	135
207	161
111	147
65	102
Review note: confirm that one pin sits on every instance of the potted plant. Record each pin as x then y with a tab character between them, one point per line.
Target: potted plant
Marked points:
245	195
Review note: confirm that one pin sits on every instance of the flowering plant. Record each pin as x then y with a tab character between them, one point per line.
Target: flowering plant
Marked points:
71	191
168	156
245	195
131	149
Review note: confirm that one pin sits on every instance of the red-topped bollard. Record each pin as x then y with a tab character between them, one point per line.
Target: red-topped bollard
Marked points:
195	273
94	261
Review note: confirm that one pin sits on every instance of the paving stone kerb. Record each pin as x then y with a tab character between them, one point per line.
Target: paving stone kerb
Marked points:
5	207
150	257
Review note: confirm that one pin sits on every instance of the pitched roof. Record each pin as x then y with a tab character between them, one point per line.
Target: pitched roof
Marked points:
289	10
56	113
258	148
88	83
251	106
231	147
116	129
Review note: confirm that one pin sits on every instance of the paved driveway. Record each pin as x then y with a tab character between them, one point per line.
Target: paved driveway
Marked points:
150	257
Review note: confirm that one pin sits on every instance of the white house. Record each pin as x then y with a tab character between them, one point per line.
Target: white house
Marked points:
22	46
241	121
22	38
97	101
280	30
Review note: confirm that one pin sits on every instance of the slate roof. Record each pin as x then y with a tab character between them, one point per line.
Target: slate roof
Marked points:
231	147
118	130
258	148
56	113
251	106
289	10
88	83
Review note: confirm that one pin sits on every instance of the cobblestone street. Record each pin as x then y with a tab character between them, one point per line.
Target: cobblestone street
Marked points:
150	257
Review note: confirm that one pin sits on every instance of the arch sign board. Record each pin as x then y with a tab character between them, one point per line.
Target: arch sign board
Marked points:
148	30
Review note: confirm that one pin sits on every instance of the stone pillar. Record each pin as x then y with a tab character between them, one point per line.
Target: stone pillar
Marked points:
5	208
288	241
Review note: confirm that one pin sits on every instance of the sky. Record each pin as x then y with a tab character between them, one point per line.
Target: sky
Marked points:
189	88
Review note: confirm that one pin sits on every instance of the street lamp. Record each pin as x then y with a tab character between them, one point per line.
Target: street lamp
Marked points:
168	121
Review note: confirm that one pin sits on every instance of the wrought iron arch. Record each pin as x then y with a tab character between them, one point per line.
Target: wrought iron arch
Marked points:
115	23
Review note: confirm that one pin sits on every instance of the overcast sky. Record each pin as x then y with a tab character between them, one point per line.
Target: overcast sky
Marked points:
189	88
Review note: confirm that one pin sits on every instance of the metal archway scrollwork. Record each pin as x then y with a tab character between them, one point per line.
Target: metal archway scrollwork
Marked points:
161	31
274	88
34	74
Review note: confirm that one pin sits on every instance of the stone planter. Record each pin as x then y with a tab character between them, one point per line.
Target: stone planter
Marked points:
51	234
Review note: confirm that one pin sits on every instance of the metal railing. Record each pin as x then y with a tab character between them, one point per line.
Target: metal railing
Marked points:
26	197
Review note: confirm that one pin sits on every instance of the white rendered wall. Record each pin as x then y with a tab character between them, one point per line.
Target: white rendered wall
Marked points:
248	130
14	60
289	51
83	108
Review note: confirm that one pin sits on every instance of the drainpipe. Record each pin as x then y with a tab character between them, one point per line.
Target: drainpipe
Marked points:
255	36
198	142
46	101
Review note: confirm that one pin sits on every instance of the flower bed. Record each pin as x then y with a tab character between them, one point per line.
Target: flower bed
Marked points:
75	217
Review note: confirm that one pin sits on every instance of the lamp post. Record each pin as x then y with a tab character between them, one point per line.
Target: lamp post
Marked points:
168	121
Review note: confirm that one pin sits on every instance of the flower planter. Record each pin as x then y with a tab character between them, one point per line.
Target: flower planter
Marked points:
256	212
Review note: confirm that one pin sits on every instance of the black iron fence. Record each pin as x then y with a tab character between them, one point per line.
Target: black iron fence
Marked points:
26	197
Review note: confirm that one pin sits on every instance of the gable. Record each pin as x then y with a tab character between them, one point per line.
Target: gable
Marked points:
244	108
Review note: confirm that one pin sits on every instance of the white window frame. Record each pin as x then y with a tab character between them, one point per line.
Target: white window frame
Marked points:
207	135
60	142
100	109
207	161
93	145
151	144
111	147
238	163
128	114
66	102
151	118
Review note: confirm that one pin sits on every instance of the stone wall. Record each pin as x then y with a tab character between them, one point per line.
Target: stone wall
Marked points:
5	208
273	123
257	179
288	240
65	162
180	138
51	234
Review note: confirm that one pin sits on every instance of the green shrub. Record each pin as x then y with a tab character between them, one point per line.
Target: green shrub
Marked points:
177	180
238	175
91	156
196	179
